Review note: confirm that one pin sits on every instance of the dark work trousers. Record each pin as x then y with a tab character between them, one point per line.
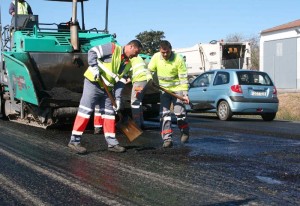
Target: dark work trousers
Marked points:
166	100
137	95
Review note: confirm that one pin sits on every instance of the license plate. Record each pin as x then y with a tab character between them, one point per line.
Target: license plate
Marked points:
255	93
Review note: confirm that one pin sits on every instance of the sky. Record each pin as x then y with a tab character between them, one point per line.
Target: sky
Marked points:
184	22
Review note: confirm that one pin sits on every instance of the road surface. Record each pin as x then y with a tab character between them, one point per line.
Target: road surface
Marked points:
240	162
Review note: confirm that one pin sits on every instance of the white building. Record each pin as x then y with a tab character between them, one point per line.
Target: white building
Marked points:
280	54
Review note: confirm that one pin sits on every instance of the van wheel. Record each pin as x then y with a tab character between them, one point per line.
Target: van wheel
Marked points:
268	116
224	112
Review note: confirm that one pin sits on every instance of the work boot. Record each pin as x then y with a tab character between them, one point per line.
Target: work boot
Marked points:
116	148
98	130
168	144
185	138
76	146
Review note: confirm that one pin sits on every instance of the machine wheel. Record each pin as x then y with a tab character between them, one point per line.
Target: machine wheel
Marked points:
268	116
224	112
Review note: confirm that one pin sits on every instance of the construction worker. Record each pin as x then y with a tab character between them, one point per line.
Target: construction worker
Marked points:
23	7
110	62
139	76
172	75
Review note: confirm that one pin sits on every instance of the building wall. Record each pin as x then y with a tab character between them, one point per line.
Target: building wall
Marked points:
280	62
280	57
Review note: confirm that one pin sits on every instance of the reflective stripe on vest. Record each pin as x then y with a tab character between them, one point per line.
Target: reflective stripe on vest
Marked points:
109	75
108	72
169	84
98	52
167	78
139	72
137	65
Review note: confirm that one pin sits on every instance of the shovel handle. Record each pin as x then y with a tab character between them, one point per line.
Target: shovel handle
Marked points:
129	128
112	99
167	91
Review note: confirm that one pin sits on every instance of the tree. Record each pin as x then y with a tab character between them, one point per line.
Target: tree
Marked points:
150	41
254	42
236	37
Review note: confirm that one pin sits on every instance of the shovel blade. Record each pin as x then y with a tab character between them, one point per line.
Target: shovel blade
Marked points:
130	129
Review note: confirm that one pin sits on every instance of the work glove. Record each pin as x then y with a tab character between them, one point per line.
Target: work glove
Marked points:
186	97
118	105
96	72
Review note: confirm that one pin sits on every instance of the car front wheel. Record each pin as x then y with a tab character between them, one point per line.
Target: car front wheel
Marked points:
224	112
268	116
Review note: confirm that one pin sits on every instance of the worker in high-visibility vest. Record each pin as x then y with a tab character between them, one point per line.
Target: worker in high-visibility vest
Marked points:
23	7
172	75
140	76
110	62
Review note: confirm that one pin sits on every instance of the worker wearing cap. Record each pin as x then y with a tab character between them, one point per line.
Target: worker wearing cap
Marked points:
110	62
172	75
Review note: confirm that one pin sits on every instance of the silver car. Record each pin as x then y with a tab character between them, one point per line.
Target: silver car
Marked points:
229	92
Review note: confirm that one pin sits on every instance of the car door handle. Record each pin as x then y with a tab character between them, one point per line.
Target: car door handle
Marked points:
204	89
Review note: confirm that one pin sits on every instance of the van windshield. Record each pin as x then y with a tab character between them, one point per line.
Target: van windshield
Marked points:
254	78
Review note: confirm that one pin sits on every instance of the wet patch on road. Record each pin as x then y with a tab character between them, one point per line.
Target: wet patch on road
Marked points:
269	180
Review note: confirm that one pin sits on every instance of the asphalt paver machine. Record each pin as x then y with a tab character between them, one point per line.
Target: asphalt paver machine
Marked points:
42	66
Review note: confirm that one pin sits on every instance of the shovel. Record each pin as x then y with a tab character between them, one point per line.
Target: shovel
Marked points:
169	92
172	94
198	106
128	127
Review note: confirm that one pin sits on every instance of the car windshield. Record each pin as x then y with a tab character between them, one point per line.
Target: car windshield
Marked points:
254	78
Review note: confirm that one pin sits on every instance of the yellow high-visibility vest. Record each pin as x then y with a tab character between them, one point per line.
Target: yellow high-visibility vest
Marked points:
171	73
22	7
